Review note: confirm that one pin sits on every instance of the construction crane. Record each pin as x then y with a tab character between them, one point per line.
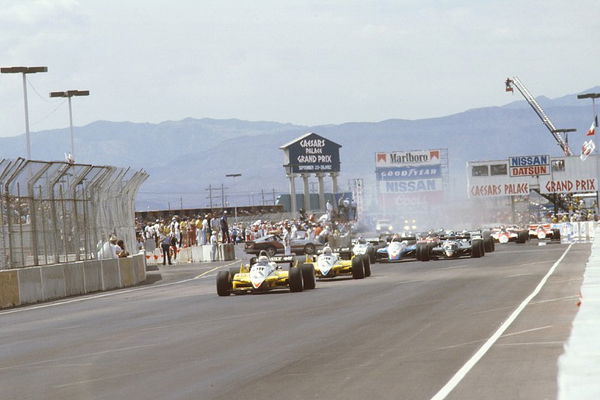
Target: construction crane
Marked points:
515	82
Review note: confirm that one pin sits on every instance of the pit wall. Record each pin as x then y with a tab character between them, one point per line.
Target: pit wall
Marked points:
51	282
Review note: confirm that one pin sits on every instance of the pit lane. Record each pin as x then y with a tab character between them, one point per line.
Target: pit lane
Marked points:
403	333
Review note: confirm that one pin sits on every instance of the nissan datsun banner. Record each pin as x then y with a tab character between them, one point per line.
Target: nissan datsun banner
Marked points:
408	173
503	189
529	165
568	185
407	158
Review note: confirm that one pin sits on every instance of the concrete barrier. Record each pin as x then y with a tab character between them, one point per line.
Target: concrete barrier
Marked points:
30	285
50	282
111	278
127	272
9	289
74	279
92	272
226	252
53	282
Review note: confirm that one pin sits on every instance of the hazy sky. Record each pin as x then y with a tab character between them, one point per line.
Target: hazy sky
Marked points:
300	61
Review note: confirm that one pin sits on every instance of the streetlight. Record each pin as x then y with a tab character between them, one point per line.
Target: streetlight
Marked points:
68	94
235	206
24	71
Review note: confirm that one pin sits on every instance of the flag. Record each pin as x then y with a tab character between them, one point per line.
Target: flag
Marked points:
592	129
587	149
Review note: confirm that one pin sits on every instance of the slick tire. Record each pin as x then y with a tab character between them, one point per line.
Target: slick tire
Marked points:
308	276
372	255
358	268
489	245
556	234
295	280
224	283
418	251
367	265
522	236
477	248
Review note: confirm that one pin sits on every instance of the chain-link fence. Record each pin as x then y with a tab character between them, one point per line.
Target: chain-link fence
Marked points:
55	212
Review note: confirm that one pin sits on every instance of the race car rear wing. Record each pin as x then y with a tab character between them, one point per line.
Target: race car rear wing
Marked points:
282	259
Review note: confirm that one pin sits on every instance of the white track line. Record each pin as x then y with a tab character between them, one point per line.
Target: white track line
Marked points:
464	370
116	293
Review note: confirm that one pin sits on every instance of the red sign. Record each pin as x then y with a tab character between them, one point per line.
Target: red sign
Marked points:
569	185
506	189
528	171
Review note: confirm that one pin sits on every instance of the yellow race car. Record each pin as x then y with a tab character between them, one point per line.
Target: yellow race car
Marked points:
339	262
263	274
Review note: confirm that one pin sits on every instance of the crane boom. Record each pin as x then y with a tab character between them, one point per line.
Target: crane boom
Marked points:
510	82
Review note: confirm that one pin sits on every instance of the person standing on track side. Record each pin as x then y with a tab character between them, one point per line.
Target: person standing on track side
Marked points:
165	245
225	228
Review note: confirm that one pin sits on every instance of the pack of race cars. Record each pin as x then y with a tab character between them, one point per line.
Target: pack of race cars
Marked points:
266	272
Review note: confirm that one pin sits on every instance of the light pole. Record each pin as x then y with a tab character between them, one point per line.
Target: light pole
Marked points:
68	94
233	176
24	71
566	132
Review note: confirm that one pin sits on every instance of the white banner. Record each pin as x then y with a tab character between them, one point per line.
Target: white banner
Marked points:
411	186
495	190
568	185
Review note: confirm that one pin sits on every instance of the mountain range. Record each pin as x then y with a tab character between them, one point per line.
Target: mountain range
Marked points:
184	157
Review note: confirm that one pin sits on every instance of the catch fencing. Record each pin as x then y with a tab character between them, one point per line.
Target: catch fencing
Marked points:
57	212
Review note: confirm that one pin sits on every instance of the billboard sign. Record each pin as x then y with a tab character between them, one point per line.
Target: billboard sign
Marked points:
569	185
407	158
529	165
411	186
498	189
408	173
312	153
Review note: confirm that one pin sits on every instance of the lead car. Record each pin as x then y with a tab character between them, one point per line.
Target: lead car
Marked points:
264	274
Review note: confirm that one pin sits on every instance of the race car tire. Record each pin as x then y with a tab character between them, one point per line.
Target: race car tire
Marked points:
418	252
488	244
358	268
522	236
425	251
555	234
372	255
295	279
308	276
309	249
367	265
477	248
223	283
271	251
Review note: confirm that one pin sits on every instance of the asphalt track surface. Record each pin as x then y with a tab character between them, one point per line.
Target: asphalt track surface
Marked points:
401	334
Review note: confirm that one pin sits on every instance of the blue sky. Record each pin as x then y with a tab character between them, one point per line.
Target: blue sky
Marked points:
304	62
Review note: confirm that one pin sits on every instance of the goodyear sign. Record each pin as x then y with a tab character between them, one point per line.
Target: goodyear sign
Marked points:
408	173
529	165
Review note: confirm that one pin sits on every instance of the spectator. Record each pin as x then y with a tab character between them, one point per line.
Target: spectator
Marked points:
213	242
123	253
225	228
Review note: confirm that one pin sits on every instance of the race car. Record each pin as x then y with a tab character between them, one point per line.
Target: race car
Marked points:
339	262
511	233
398	249
544	231
365	247
263	274
454	245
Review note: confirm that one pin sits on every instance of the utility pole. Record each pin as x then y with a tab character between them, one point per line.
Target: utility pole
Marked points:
210	197
181	202
222	197
262	192
273	196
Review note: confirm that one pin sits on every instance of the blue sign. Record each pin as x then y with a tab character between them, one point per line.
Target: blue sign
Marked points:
528	161
408	173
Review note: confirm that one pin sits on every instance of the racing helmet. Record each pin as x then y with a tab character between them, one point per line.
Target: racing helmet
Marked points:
327	250
262	260
362	240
